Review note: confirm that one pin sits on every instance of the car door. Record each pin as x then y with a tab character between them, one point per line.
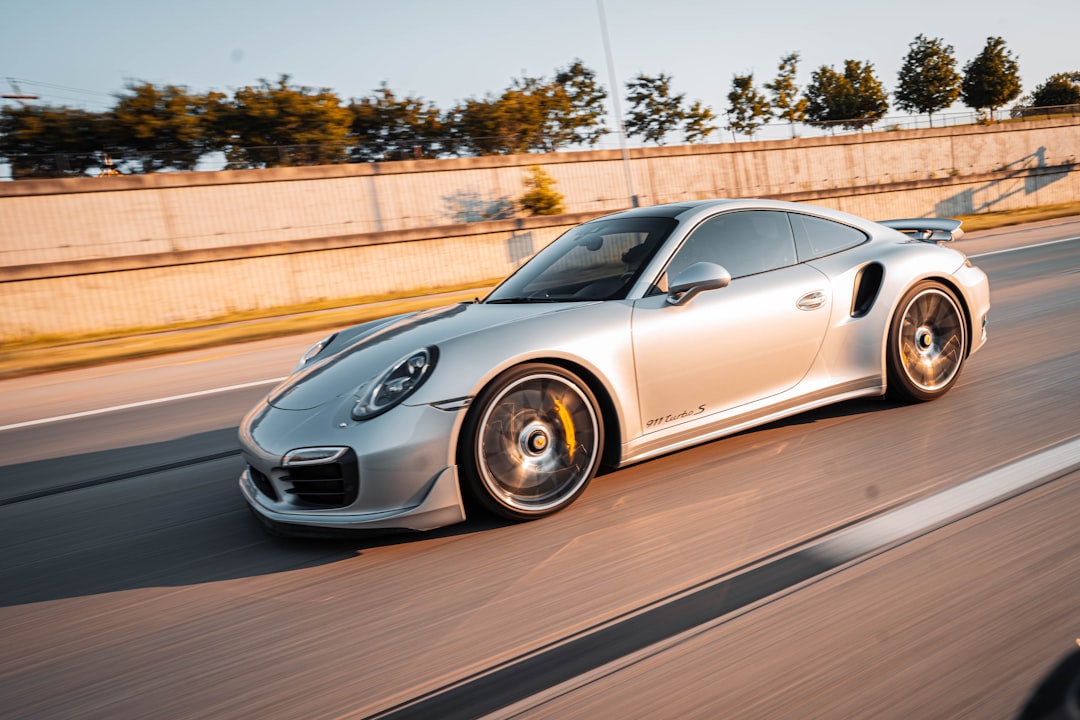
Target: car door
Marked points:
755	338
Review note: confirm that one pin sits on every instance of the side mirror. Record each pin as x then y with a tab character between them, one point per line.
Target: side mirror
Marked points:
591	241
697	278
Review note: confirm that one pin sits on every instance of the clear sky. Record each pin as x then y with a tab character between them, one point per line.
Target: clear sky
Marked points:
448	51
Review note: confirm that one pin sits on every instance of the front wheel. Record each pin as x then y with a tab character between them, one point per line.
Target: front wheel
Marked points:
532	442
927	343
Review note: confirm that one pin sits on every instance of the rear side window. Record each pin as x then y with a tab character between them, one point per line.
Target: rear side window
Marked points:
816	237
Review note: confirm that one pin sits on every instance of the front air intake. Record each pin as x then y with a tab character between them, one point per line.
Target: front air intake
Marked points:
322	482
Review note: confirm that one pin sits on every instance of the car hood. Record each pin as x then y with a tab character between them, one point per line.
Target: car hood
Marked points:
365	354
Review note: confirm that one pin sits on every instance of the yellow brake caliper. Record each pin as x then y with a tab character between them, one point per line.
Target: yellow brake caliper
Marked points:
568	426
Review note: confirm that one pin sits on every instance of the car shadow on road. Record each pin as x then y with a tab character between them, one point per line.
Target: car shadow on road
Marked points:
848	408
144	517
170	515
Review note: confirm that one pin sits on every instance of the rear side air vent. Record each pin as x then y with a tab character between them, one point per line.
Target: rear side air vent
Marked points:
867	285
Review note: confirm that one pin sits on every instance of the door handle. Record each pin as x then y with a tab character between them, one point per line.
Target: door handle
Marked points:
811	300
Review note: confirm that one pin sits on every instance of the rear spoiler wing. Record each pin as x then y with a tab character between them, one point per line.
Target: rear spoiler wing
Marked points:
927	229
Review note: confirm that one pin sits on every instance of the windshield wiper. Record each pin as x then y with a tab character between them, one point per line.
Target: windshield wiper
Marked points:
516	300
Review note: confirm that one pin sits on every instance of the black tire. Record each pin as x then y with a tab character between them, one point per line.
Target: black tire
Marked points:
531	443
927	343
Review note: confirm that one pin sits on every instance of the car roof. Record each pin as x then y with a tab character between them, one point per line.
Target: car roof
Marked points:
669	210
692	209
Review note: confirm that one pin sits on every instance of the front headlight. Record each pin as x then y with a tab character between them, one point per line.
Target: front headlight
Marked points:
313	352
399	382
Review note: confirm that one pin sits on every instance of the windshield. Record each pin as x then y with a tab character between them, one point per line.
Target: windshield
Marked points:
598	260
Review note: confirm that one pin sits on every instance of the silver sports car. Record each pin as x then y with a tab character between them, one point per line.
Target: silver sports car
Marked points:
632	335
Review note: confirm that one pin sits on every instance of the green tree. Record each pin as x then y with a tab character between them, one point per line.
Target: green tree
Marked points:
786	103
580	121
1058	89
157	128
928	80
273	125
530	108
540	196
991	79
853	99
750	108
532	115
656	112
503	125
386	128
40	142
697	122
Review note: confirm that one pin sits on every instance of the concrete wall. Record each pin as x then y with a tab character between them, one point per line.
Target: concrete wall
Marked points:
147	291
83	218
86	255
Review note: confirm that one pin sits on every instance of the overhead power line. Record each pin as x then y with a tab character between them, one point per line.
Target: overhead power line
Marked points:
66	88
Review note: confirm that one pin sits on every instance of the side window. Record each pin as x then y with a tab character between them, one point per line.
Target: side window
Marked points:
817	237
744	242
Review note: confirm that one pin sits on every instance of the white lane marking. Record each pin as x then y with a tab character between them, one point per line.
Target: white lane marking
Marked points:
864	540
141	403
213	391
959	501
1023	247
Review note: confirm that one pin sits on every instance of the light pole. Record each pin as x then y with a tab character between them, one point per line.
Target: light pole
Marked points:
618	108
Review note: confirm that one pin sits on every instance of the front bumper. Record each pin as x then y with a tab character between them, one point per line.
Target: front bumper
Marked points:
396	470
442	506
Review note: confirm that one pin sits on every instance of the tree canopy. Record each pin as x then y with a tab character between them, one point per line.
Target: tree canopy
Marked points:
750	108
852	99
271	125
583	120
534	114
992	78
927	81
386	128
698	122
1057	90
159	128
511	123
786	103
656	112
153	127
51	141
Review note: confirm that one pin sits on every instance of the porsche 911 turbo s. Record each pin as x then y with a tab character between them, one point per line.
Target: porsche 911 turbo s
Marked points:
631	335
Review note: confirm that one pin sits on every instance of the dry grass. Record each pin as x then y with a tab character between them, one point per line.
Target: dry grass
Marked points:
987	221
44	354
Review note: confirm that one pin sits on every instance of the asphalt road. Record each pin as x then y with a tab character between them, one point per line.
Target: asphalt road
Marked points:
133	583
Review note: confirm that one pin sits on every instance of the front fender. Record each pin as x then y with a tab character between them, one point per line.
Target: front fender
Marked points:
594	338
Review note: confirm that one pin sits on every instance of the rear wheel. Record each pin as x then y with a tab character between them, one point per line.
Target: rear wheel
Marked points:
927	343
532	442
